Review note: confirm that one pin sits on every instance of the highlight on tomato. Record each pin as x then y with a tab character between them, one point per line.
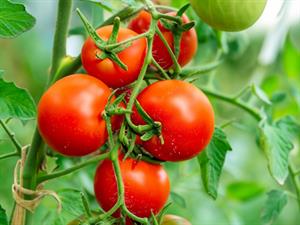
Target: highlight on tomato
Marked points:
147	186
229	15
188	41
107	70
69	115
186	117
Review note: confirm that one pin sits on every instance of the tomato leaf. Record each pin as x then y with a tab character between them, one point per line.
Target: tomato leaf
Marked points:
260	94
14	20
103	4
3	217
276	140
211	161
72	207
15	102
276	201
244	191
183	9
178	199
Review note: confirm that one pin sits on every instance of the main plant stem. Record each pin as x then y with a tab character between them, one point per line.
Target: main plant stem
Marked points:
36	154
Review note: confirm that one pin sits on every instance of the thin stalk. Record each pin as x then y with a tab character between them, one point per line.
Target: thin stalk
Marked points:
295	183
233	101
8	155
177	68
72	169
61	32
12	137
115	45
161	70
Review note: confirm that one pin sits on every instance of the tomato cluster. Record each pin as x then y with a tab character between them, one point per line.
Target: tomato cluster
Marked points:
71	115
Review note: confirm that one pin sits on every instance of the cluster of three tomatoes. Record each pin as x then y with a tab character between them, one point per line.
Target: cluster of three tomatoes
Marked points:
70	115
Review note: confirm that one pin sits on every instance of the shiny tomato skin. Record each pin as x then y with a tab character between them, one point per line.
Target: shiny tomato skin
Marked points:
188	43
108	71
229	15
147	186
174	220
69	115
186	116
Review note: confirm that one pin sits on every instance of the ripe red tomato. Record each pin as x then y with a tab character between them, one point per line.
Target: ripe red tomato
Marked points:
107	70
186	116
146	185
69	115
174	220
188	43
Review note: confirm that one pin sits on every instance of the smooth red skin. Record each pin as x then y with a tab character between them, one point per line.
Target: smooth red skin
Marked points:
186	116
108	71
188	43
69	115
147	186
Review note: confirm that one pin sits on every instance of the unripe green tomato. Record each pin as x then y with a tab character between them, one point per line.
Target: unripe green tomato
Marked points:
174	220
229	15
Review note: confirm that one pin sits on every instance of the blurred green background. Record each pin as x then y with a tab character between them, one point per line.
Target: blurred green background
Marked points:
267	54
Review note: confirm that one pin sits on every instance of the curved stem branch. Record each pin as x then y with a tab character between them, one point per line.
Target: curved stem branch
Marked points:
295	182
8	155
12	137
233	101
72	169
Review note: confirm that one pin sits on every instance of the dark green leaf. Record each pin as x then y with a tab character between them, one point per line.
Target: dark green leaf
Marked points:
14	20
276	140
260	94
278	97
3	217
178	199
211	162
183	9
244	191
15	102
276	201
188	26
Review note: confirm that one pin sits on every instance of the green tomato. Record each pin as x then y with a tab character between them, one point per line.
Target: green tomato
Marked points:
174	220
229	15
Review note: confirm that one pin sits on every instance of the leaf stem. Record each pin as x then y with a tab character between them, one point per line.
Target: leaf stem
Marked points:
12	137
8	155
72	169
295	183
233	101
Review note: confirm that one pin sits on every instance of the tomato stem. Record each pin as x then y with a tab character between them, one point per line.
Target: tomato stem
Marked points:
295	181
233	101
61	173
12	137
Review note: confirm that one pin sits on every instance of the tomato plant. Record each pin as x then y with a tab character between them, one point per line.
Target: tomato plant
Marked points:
106	69
127	100
188	40
229	15
146	185
186	116
70	112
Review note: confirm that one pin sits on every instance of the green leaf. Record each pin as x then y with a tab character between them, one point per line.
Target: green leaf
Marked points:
183	9
276	201
291	58
3	217
15	102
178	199
211	162
14	20
260	94
72	207
244	191
102	3
278	97
276	140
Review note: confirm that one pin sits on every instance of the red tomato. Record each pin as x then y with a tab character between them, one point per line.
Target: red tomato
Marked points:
188	43
186	116
146	185
107	70
69	115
